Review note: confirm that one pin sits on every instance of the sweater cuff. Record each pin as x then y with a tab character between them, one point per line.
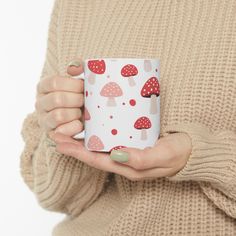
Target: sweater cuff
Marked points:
31	134
213	156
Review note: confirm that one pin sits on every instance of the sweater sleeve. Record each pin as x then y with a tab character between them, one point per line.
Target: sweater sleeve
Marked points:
60	183
212	163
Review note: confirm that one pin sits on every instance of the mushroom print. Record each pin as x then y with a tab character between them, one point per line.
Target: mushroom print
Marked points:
151	89
147	65
86	114
117	147
111	90
129	71
96	67
95	143
143	123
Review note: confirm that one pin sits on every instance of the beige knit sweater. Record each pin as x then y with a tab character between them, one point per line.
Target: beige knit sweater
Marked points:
196	43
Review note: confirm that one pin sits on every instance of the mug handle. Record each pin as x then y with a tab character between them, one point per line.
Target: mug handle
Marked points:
80	135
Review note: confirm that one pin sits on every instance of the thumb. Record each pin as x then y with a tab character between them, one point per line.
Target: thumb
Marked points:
75	67
132	157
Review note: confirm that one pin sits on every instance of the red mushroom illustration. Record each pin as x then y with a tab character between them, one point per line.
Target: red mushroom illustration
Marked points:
111	90
86	114
147	65
117	147
129	71
151	89
143	123
96	67
95	143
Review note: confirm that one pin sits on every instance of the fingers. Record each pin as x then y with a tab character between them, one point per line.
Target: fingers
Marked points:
58	83
71	128
59	99
51	120
62	138
170	151
102	161
141	159
94	159
98	160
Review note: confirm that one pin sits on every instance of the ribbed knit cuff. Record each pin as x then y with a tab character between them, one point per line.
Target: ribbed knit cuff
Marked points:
31	134
213	156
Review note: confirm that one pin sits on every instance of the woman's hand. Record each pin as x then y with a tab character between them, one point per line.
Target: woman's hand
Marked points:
166	158
59	101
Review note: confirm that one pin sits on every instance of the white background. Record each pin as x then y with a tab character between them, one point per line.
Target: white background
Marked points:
23	35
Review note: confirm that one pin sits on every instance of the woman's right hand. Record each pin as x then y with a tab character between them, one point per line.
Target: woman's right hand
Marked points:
59	103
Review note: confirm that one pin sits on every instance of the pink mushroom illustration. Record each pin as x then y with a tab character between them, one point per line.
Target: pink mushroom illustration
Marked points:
147	65
117	147
96	67
129	71
95	143
86	114
143	123
151	89
111	90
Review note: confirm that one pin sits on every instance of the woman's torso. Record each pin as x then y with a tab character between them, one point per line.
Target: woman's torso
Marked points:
196	44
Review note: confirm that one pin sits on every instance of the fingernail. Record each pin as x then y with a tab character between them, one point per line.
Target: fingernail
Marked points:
73	68
74	63
120	156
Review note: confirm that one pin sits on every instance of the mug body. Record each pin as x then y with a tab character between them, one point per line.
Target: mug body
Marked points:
122	103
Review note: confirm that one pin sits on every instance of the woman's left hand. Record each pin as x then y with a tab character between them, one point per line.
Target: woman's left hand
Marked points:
167	157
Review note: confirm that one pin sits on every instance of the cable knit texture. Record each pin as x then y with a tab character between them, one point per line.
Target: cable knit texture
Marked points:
196	43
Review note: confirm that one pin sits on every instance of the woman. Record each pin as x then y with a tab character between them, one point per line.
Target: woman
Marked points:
186	183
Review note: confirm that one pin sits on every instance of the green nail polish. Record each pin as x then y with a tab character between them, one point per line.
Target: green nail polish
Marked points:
120	156
74	63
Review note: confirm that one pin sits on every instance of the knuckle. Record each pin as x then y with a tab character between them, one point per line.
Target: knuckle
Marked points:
53	81
57	116
57	99
63	98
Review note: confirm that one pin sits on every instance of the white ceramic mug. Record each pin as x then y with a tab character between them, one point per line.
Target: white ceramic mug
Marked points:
121	103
